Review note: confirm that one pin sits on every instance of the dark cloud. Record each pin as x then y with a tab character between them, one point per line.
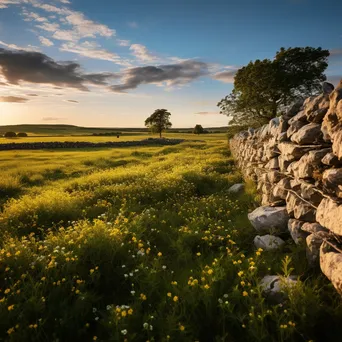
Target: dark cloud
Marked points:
3	84
72	101
225	76
207	113
173	74
35	67
14	99
31	94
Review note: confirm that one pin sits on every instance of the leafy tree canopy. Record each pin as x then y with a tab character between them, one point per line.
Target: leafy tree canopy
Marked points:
198	129
264	89
159	121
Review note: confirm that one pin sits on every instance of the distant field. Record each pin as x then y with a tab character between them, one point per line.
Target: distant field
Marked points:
126	137
43	130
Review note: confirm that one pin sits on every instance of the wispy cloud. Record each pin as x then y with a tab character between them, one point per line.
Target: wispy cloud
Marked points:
207	113
52	118
123	42
226	76
141	53
16	47
132	24
72	101
45	41
13	99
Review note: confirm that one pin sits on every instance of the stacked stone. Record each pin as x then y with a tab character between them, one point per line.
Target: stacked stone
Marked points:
296	161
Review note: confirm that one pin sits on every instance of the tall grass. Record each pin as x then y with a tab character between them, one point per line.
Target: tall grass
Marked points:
153	250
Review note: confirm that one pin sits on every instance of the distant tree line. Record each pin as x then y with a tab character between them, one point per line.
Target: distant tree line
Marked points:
107	134
14	135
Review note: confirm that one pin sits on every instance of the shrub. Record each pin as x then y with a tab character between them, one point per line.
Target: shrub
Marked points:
22	134
10	135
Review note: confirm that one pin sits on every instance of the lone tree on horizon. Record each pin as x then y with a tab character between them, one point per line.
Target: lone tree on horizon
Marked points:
198	129
159	121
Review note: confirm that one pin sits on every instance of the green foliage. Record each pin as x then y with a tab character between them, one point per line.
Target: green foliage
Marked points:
154	249
263	89
159	121
198	129
10	135
22	135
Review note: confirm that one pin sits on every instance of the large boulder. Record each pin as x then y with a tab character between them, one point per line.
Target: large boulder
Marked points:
275	287
268	242
329	215
328	88
266	218
299	209
294	109
331	265
308	134
236	188
295	127
313	228
330	158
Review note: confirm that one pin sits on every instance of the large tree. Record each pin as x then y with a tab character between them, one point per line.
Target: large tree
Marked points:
198	129
264	89
159	121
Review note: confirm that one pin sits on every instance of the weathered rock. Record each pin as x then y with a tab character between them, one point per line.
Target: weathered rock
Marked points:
275	287
273	164
327	88
313	227
310	193
308	134
331	159
292	111
280	189
331	265
334	115
317	108
329	215
299	209
297	234
332	181
268	242
300	116
295	127
236	188
266	218
337	144
290	151
309	164
313	244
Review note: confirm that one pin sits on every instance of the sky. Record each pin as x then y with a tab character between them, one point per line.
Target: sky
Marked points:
111	63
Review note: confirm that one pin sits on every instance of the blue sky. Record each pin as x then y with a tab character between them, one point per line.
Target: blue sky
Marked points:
112	63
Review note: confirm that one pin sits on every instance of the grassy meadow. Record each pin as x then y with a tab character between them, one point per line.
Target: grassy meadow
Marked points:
145	244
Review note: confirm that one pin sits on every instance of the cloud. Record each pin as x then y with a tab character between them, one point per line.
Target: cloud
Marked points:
225	76
45	41
123	42
36	67
172	74
72	101
92	50
141	53
32	95
16	47
13	99
207	113
335	52
32	16
52	118
132	24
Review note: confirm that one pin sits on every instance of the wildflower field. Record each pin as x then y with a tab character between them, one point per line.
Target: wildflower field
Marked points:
145	244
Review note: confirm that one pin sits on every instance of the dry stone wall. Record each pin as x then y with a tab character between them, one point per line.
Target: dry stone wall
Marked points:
296	162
